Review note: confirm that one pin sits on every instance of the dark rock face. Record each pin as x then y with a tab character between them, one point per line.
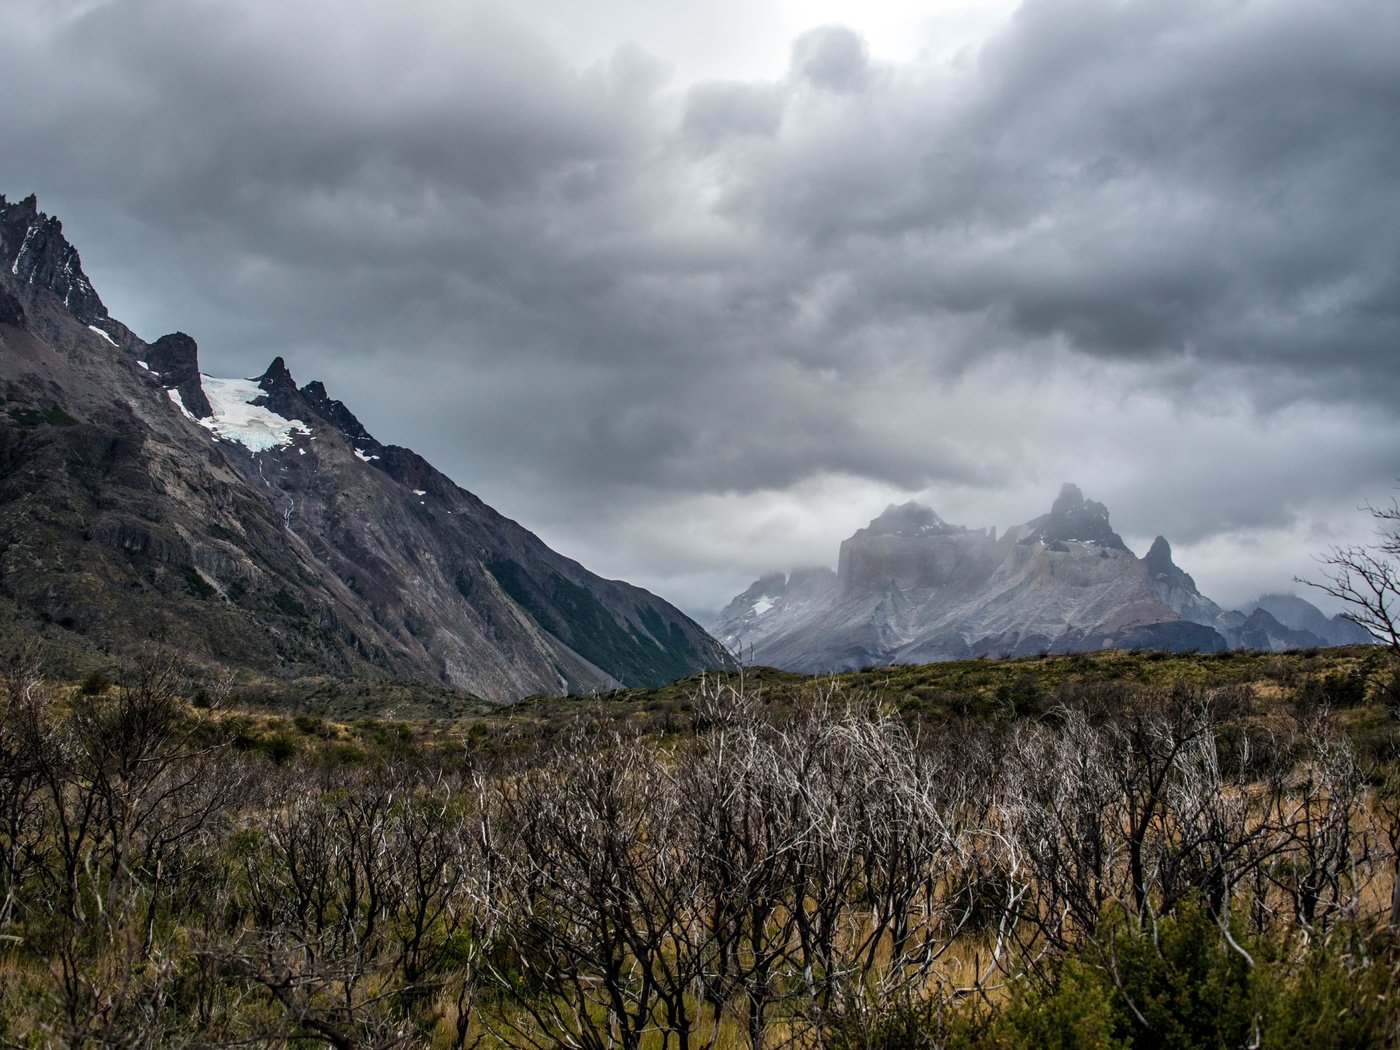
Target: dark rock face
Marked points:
175	358
33	249
323	552
11	311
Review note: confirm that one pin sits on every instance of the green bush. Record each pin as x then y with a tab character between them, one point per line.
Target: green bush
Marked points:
1176	986
1078	1012
1342	994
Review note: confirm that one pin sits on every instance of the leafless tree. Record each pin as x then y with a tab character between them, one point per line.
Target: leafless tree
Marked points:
596	890
1329	844
1367	577
24	701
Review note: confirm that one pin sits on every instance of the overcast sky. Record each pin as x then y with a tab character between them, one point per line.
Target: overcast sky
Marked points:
694	289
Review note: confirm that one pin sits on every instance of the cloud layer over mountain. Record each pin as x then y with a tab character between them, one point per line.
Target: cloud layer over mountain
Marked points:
691	328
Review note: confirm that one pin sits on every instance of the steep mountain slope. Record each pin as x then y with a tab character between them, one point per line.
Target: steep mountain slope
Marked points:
911	588
261	525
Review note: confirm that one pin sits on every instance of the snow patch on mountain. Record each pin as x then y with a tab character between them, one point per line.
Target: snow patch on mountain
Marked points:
236	418
180	404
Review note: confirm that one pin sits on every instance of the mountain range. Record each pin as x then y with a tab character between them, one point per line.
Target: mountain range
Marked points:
258	524
912	588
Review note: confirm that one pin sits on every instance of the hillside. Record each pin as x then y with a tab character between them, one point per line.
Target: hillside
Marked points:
259	524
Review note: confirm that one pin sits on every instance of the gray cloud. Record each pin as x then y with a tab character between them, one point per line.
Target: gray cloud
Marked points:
833	58
716	110
1151	248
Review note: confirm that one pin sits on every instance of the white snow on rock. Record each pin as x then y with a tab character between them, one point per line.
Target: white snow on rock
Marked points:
235	418
144	365
104	335
364	457
762	606
180	404
420	492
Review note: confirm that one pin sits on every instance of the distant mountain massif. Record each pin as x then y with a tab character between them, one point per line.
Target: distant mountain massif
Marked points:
911	588
259	525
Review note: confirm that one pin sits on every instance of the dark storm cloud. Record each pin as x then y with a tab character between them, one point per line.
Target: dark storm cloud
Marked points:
1138	178
573	285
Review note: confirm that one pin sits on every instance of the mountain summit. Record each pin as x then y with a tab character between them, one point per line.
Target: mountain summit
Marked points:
911	588
260	524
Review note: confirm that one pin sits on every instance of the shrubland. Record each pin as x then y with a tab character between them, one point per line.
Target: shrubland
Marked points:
1103	850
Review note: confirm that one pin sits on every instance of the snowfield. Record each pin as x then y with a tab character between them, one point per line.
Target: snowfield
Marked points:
235	418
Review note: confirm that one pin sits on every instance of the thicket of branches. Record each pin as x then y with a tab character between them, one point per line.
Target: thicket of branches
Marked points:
828	875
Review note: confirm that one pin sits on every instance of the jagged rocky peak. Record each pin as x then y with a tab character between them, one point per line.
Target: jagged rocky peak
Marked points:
277	378
1073	518
175	357
909	519
1161	566
1159	557
281	395
279	391
36	251
1164	572
336	413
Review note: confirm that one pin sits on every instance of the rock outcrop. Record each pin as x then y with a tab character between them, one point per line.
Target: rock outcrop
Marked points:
37	253
175	358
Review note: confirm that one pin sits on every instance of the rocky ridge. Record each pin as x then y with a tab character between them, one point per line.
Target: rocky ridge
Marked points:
260	524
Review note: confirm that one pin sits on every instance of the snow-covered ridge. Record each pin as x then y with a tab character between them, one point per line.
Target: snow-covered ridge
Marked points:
236	418
23	248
